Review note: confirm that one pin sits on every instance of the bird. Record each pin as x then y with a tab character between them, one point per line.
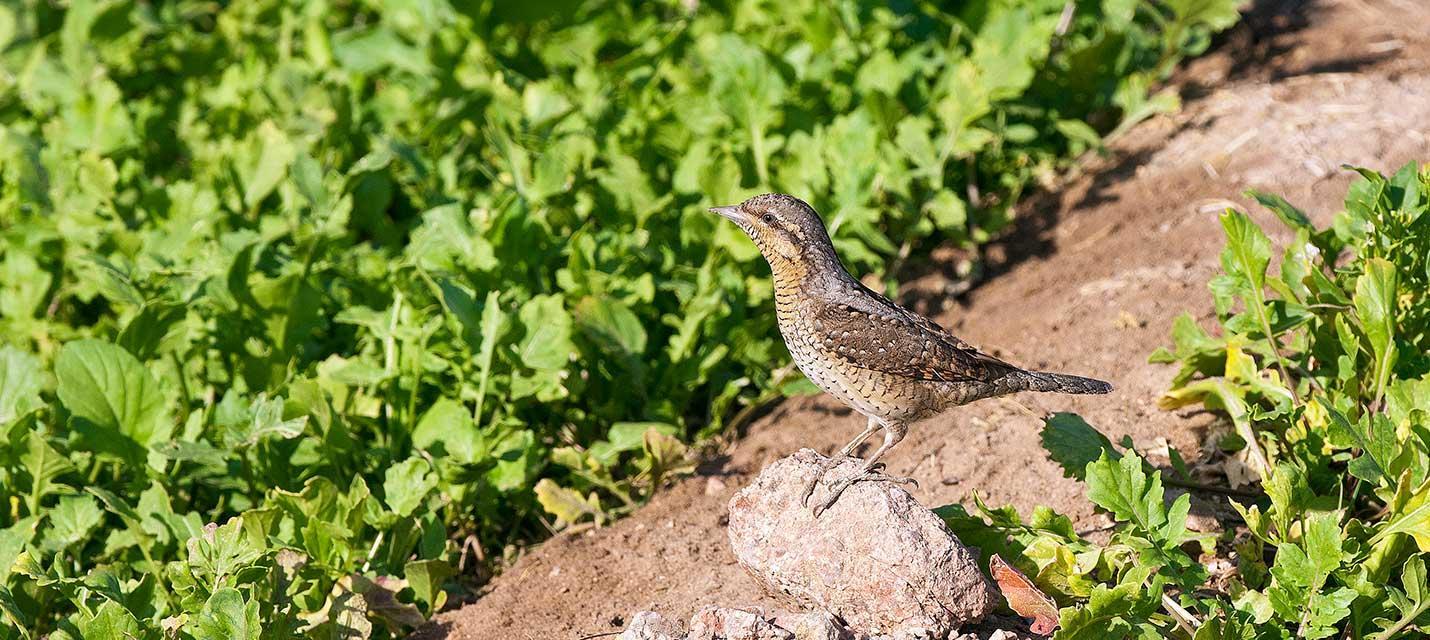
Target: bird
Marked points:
886	362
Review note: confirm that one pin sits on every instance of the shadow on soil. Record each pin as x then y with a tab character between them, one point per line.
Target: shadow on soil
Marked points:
1262	41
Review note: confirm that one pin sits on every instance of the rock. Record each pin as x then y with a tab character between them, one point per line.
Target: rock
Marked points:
719	623
815	625
876	559
724	623
996	627
649	625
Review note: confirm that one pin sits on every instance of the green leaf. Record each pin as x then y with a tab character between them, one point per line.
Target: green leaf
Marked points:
426	578
1323	541
1301	570
630	436
1289	214
1073	443
515	456
1215	14
44	465
1110	612
493	325
1289	493
447	423
407	484
72	520
612	325
1409	515
226	616
221	551
275	153
1411	602
1008	49
12	541
111	620
547	344
1124	489
947	211
20	377
1375	309
1248	250
111	395
1377	444
264	421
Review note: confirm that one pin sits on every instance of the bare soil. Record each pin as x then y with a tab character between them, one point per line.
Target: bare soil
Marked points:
1089	283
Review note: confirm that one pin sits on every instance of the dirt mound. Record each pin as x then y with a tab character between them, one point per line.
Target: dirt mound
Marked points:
1091	283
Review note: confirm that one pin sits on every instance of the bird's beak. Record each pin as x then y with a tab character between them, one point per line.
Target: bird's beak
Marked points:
731	212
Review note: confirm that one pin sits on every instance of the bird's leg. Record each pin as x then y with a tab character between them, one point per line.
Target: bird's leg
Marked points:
893	433
833	461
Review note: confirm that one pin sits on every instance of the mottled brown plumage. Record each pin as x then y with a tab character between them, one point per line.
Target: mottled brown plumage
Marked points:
889	363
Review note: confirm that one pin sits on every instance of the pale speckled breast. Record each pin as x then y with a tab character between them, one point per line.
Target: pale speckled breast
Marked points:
870	392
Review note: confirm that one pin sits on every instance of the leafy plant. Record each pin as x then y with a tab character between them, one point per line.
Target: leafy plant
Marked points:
308	304
1320	368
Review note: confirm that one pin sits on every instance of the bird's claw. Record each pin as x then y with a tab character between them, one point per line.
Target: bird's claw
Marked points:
873	473
824	467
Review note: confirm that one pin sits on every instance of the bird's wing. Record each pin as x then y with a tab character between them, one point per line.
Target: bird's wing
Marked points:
872	332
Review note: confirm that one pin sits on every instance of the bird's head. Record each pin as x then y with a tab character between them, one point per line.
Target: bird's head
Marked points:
785	228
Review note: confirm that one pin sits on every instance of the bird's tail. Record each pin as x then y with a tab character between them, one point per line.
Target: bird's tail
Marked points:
1060	383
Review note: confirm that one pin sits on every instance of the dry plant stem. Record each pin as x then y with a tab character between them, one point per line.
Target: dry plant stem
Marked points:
600	635
1209	488
1188	622
1240	420
1262	465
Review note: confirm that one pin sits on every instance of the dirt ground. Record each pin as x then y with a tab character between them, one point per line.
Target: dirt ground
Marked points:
1089	284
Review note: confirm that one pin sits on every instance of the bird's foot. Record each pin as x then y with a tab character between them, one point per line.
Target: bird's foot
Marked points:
824	467
872	473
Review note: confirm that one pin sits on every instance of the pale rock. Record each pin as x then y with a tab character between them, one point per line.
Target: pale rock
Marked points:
876	559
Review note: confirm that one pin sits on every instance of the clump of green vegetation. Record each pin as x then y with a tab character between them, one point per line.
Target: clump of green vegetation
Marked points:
1322	369
305	305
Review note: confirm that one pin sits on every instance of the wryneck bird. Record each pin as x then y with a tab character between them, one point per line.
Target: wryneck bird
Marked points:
888	363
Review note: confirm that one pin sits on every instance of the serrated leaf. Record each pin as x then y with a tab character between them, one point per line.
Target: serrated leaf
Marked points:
1411	601
43	464
567	505
111	620
668	455
226	616
1375	442
1248	250
1121	486
72	520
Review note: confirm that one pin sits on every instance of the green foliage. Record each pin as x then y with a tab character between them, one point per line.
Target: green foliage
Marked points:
1321	369
295	293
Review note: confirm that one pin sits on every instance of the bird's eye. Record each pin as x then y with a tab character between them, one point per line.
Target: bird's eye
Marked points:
769	218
